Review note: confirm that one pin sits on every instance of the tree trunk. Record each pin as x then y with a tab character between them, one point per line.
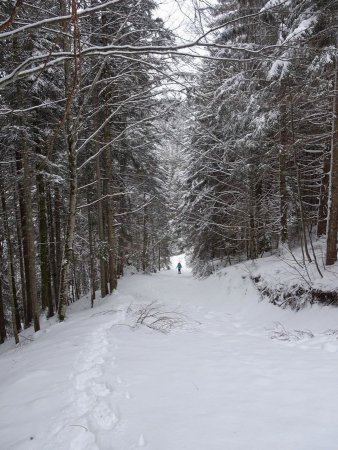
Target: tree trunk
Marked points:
30	243
16	325
46	289
52	256
103	263
21	259
71	131
91	257
23	231
299	185
71	217
27	232
282	177
75	281
112	275
145	240
323	196
332	221
3	334
58	240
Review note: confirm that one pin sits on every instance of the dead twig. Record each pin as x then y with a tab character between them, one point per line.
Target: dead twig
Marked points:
153	316
82	426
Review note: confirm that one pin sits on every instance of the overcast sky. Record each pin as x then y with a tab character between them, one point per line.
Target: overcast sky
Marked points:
179	16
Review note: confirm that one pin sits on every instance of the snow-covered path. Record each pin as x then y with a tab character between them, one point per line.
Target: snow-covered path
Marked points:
217	381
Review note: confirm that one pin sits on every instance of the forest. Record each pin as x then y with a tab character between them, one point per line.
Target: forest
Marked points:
122	143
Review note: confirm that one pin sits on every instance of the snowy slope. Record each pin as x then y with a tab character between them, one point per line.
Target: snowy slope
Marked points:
234	373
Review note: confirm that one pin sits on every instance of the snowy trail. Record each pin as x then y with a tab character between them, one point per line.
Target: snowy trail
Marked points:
217	382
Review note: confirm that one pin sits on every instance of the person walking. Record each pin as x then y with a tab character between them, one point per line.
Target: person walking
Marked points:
179	267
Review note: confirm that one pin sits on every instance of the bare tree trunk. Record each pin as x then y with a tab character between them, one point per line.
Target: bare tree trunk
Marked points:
30	242
103	263
46	289
323	196
58	240
112	274
159	257
299	186
71	217
121	261
27	231
253	196
75	283
332	221
301	212
145	240
282	176
16	325
91	257
52	256
121	238
3	334
21	259
23	232
71	130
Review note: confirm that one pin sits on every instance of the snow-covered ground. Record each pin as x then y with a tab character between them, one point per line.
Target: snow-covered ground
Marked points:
231	373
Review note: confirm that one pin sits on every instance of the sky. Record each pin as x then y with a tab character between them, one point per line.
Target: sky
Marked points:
176	15
180	16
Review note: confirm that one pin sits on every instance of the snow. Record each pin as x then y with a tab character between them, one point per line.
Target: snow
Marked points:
303	26
279	68
274	3
232	372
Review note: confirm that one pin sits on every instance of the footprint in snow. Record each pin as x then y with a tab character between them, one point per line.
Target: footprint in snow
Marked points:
103	417
83	380
84	403
88	363
100	389
85	440
331	348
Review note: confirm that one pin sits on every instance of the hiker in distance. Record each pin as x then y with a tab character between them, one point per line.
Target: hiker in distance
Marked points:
179	267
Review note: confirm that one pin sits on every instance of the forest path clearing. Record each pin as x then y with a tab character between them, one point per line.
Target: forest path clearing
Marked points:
216	381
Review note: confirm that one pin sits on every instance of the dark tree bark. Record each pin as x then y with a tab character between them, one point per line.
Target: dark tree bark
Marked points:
16	323
23	232
58	239
144	239
91	256
71	218
103	263
52	256
112	277
3	334
21	257
282	177
29	236
46	288
332	222
323	196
